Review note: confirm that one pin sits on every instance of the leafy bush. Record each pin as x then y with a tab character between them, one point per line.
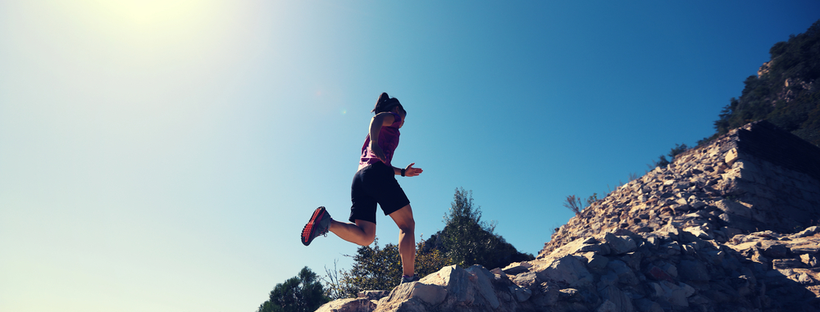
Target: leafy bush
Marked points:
376	268
302	293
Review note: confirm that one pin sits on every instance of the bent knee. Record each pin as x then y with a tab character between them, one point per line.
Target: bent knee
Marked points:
367	240
408	227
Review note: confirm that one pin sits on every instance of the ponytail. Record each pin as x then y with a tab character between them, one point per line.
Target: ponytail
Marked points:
385	103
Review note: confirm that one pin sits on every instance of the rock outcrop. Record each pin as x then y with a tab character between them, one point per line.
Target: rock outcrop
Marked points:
731	226
754	178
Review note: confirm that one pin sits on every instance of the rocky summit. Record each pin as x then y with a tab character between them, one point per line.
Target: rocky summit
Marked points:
729	226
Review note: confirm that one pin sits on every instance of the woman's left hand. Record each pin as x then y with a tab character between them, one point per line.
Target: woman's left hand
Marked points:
412	172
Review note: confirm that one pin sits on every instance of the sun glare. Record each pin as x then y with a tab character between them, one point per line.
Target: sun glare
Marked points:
148	12
149	17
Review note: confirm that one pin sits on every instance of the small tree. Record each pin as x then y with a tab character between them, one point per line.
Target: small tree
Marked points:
302	293
466	240
464	232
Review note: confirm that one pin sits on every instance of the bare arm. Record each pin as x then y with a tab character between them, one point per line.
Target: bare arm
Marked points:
376	124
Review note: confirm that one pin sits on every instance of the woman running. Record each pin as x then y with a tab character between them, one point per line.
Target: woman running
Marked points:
373	183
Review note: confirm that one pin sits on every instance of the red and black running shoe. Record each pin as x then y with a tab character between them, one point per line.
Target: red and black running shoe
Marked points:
318	225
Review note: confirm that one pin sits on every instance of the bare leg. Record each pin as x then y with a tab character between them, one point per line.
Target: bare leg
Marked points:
407	238
362	233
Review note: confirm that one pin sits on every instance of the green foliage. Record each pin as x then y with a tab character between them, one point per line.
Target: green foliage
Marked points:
429	260
465	233
674	152
337	283
466	240
786	95
376	268
662	162
302	293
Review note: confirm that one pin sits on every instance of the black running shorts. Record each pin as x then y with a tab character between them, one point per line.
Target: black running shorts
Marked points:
374	184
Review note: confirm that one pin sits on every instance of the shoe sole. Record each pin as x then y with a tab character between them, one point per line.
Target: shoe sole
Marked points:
414	279
307	231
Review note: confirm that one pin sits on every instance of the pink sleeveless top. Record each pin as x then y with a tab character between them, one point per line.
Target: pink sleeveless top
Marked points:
388	141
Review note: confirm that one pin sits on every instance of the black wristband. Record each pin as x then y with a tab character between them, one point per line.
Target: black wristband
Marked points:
402	172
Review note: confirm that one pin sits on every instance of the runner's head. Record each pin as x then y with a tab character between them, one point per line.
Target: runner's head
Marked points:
385	103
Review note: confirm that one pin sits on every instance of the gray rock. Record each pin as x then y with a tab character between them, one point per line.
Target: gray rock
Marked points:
675	294
517	267
647	305
569	293
804	278
373	294
773	249
809	231
602	249
731	207
670	269
787	263
620	244
809	260
596	262
696	203
698	231
692	270
348	305
526	280
621	301
449	287
625	274
482	280
426	293
567	269
806	248
669	231
410	305
608	306
520	294
547	296
672	248
715	256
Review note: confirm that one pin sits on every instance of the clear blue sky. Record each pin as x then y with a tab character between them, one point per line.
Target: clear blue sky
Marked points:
164	155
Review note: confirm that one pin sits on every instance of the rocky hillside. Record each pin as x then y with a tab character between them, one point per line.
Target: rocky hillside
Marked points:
729	226
754	178
784	92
